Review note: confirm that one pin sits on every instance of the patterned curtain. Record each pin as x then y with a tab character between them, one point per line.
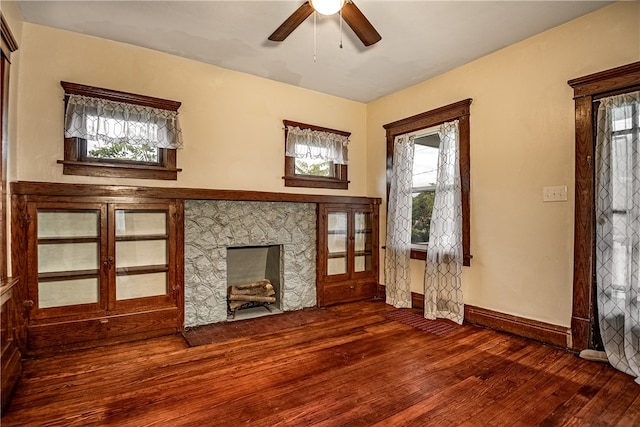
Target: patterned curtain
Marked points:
315	144
398	246
442	282
618	230
107	121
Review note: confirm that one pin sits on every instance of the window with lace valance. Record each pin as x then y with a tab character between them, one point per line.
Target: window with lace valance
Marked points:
119	134
315	157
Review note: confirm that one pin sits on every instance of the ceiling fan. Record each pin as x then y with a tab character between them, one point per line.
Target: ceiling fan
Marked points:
350	13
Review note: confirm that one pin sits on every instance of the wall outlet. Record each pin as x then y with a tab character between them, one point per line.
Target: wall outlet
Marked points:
554	194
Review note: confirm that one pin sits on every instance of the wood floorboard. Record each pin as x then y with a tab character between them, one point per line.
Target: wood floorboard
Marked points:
347	365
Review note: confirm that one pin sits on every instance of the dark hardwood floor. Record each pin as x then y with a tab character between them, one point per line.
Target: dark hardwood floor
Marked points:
345	365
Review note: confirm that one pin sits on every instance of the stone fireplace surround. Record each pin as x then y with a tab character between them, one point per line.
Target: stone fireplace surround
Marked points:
211	226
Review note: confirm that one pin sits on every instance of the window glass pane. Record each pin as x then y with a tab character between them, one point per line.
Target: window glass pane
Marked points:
67	292
425	166
421	209
67	224
115	144
336	266
622	118
315	167
140	223
141	285
425	175
122	150
61	257
141	253
337	243
362	243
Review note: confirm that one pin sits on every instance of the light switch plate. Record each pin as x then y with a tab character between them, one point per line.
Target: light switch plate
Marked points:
554	194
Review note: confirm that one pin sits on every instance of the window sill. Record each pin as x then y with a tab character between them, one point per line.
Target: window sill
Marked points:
421	254
113	170
315	182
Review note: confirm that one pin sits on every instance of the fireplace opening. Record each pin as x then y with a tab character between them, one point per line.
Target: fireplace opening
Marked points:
254	273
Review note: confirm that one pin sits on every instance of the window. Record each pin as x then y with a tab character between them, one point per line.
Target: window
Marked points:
425	174
118	134
315	157
424	124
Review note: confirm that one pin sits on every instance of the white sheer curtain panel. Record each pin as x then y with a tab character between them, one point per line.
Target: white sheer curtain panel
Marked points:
99	119
397	276
442	284
618	230
314	144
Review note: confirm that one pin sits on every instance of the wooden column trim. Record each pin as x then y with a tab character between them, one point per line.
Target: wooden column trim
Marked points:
586	90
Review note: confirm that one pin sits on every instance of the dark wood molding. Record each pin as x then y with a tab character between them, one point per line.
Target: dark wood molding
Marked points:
429	118
606	81
115	170
587	89
314	182
118	96
75	190
558	336
314	127
8	40
460	111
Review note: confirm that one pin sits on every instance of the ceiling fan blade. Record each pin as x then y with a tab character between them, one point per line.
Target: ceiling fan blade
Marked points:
292	22
360	24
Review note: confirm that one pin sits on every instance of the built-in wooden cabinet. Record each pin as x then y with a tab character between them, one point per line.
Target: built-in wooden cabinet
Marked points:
347	252
99	271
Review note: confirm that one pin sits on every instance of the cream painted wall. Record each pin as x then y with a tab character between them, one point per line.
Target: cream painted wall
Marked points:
522	139
231	122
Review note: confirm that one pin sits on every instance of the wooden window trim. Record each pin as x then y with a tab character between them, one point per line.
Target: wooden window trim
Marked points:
75	163
586	90
340	180
457	111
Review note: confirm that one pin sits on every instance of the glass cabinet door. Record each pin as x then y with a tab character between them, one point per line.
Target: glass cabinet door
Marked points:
363	242
141	253
68	257
337	243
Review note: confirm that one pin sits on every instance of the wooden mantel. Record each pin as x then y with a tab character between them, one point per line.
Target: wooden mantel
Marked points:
91	190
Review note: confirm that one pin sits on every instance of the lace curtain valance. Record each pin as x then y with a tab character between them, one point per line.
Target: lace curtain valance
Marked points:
313	144
99	119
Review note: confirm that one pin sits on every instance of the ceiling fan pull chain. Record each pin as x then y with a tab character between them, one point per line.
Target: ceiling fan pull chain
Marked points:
315	49
340	28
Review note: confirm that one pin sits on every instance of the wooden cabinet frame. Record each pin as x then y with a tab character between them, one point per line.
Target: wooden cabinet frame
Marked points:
352	285
109	318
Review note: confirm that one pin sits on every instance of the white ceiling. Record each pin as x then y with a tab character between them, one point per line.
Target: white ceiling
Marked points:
420	39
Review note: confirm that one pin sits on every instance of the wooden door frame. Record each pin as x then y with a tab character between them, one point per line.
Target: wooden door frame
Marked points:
588	89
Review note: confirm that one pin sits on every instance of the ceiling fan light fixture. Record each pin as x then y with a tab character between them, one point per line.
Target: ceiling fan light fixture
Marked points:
327	7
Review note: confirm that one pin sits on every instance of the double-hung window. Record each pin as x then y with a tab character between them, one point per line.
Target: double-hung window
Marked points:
425	127
118	134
